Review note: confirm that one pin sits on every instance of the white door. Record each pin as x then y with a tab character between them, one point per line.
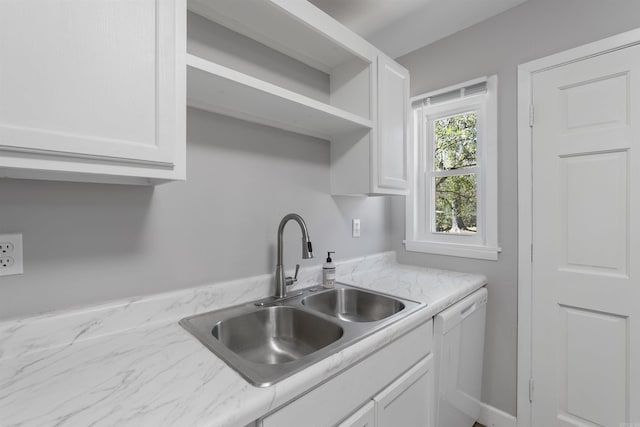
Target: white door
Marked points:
586	242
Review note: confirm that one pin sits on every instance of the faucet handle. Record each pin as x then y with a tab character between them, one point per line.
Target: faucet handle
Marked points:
291	280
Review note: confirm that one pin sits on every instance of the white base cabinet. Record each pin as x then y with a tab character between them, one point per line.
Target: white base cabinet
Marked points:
363	417
392	387
409	400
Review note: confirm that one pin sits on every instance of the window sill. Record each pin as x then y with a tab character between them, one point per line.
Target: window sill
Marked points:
453	249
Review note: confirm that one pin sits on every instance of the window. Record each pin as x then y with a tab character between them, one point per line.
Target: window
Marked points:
452	208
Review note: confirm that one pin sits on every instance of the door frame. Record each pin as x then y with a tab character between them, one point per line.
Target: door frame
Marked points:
526	115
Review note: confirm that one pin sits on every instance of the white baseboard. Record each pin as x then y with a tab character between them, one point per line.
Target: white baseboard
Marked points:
493	417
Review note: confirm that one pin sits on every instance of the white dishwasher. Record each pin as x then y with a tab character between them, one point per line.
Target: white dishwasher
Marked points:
459	350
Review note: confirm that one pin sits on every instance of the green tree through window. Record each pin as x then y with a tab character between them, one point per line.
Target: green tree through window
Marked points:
455	191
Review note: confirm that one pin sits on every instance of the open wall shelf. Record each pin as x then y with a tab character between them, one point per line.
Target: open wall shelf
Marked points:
288	65
213	87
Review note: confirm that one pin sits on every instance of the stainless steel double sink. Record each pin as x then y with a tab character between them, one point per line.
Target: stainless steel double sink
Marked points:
269	340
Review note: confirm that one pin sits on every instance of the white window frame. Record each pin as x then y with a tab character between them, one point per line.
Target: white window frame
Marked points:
420	236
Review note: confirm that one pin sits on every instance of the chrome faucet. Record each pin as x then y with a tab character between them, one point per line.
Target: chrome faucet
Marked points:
307	252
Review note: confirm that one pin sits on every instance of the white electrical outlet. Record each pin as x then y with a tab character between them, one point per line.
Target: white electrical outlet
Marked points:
10	254
6	262
6	247
355	227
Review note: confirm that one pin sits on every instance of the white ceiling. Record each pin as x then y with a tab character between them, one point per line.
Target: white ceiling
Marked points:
400	26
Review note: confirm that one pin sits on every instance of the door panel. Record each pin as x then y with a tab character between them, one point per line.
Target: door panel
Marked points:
605	204
611	108
594	393
586	202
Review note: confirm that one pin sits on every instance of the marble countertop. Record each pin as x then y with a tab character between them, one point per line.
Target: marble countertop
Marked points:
89	366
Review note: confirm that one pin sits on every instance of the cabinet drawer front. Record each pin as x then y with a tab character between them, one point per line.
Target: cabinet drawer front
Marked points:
90	79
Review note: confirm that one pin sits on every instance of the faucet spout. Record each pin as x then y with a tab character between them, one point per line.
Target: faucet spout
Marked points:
307	252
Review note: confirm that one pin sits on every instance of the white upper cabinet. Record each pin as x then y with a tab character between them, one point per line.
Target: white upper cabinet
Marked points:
97	91
392	148
377	162
287	64
93	91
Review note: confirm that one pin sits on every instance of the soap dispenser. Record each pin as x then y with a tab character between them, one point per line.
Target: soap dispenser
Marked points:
328	272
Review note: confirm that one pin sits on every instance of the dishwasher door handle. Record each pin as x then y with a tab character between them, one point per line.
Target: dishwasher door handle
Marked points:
468	310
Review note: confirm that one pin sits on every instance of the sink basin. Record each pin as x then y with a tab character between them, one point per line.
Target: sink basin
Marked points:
269	340
354	305
276	335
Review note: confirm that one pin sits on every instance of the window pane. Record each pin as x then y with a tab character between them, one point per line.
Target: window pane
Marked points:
455	142
456	204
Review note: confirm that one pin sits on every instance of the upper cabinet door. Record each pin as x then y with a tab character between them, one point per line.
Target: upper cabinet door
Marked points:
392	151
92	83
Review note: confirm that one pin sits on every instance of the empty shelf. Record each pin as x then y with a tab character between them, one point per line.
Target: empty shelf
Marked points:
213	87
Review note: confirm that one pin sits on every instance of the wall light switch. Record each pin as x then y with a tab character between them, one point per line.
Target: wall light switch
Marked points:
355	228
10	254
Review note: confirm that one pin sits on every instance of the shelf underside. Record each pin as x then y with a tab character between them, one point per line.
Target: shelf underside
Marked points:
322	45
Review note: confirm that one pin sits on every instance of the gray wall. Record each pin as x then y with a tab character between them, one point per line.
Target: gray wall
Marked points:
87	243
535	29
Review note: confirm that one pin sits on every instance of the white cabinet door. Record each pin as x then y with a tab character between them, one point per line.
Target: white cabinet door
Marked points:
90	84
363	417
408	401
390	157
